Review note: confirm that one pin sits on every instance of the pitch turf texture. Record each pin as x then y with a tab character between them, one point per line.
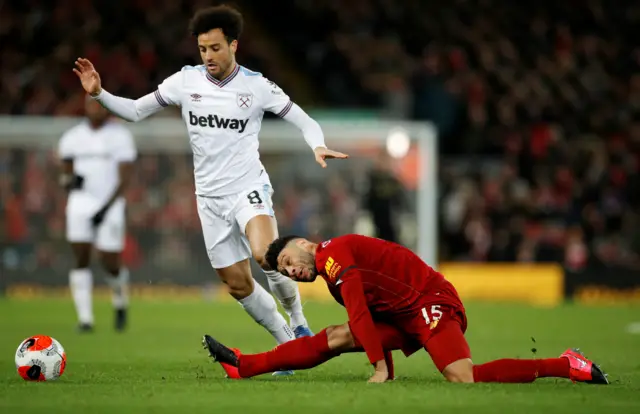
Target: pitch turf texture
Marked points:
158	366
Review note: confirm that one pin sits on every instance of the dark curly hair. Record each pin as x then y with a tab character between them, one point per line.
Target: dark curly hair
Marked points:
271	257
223	17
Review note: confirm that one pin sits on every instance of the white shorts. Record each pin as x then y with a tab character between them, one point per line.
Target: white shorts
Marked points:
108	236
224	220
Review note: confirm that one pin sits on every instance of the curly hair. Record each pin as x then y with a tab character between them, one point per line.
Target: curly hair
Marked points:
223	17
271	256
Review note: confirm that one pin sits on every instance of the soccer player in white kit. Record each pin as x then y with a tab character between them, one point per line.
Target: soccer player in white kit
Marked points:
222	104
97	157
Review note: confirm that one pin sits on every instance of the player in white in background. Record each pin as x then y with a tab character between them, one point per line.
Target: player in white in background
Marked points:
222	104
97	157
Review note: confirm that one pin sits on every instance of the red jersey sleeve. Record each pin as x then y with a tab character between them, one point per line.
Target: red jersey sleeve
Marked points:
360	319
338	266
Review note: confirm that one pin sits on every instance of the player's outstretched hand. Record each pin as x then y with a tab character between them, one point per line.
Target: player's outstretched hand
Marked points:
88	76
323	154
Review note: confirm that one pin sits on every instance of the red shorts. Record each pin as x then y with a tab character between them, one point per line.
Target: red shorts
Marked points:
438	325
439	329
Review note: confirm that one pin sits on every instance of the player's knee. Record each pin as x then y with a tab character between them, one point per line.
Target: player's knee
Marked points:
339	338
83	259
82	263
460	371
239	286
111	263
239	289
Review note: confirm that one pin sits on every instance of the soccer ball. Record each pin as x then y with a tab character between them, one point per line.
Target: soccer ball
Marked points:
40	358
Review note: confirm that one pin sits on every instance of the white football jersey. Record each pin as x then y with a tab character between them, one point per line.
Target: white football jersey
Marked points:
223	120
96	155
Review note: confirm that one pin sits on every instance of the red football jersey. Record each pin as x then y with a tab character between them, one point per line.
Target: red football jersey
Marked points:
368	275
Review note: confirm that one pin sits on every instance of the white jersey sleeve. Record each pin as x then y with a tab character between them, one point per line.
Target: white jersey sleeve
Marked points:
66	146
136	110
128	109
168	92
275	100
124	148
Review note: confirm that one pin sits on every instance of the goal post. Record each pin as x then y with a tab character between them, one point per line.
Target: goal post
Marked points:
358	137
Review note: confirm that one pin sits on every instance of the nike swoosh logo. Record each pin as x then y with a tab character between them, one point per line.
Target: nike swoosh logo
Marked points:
582	363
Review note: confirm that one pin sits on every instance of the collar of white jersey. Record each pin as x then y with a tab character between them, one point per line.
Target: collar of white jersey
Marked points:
223	82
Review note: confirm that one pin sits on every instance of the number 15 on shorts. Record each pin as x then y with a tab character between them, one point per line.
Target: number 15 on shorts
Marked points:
432	316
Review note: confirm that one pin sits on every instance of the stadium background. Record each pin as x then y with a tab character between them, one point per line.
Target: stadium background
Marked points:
537	107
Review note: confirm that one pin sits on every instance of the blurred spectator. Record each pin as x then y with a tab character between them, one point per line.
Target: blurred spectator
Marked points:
383	199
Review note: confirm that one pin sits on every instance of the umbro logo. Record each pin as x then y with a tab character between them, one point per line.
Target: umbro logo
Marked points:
195	97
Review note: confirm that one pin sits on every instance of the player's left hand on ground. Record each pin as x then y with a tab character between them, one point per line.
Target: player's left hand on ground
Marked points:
98	218
323	154
379	377
381	374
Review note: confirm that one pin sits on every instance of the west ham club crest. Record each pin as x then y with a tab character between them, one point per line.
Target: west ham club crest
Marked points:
244	100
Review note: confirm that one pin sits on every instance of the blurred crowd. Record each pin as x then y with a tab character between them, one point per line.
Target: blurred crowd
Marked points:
537	105
133	44
164	234
549	90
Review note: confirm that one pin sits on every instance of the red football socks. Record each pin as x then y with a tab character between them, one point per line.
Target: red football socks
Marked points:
301	353
309	352
521	370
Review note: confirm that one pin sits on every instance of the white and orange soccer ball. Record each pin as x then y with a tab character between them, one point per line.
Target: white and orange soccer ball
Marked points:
40	358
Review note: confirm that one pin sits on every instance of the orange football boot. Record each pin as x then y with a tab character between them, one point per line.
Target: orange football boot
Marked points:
582	369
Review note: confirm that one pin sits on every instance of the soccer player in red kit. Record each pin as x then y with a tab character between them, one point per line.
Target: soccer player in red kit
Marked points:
394	301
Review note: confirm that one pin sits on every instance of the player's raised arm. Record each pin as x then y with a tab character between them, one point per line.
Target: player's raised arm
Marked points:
276	101
127	109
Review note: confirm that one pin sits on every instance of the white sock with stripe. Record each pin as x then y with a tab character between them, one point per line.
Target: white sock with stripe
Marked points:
286	290
81	284
120	289
261	306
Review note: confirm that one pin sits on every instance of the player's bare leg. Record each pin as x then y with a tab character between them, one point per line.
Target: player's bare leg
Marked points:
118	280
450	342
81	284
261	231
238	279
256	301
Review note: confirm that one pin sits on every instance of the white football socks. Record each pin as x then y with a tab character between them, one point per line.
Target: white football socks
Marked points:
81	284
286	290
261	306
120	289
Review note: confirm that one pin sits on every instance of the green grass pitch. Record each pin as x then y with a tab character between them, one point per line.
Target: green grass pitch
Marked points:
158	366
